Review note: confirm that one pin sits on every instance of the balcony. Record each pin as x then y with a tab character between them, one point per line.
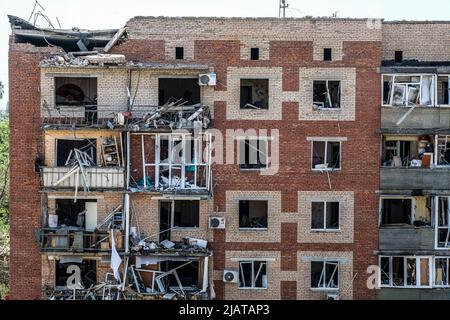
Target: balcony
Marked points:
406	238
73	240
415	178
62	178
420	118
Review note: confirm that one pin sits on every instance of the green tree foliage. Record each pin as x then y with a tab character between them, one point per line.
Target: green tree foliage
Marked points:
4	201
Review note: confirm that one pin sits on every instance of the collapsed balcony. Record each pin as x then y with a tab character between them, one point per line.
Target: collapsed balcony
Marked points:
174	163
73	226
77	165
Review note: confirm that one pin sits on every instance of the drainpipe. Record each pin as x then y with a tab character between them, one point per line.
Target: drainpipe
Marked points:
127	223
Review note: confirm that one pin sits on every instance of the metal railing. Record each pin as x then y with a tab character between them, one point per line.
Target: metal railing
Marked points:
63	240
107	178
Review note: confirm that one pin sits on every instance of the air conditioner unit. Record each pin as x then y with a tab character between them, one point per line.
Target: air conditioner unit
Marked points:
231	276
332	297
207	79
217	223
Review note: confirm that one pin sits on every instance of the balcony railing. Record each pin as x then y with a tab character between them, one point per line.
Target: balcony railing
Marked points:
111	178
437	178
66	240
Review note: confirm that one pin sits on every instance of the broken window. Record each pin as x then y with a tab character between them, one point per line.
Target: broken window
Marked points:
443	222
405	271
441	272
179	53
254	53
75	91
253	154
408	90
175	162
326	155
253	274
65	151
396	211
443	90
327	94
324	275
188	274
185	91
88	270
178	214
325	216
253	214
443	150
254	94
327	54
408	151
398	56
81	214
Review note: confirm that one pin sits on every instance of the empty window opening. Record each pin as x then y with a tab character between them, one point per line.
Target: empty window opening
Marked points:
253	275
443	90
443	150
254	53
398	56
188	275
182	90
408	90
88	270
408	152
441	272
443	222
405	271
325	215
327	54
325	275
178	214
254	93
65	151
396	211
253	214
81	214
326	155
74	91
327	94
179	53
253	154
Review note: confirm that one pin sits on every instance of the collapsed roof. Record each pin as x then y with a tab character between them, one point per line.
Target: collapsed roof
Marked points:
71	40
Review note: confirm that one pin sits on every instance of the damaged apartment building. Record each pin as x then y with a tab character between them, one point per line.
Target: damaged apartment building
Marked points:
117	186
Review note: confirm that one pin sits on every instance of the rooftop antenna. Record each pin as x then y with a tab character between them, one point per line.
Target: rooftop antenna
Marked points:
36	4
283	7
335	14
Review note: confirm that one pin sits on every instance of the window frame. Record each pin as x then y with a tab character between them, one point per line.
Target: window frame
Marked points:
325	155
447	258
172	214
340	94
268	79
86	77
413	209
254	276
249	228
326	262
410	75
243	140
405	272
325	228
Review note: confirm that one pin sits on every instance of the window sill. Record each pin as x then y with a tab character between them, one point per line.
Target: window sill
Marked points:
327	231
324	289
410	287
328	109
253	170
253	229
326	170
253	289
186	229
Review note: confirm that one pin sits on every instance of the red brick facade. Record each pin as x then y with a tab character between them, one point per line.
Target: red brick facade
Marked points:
360	155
